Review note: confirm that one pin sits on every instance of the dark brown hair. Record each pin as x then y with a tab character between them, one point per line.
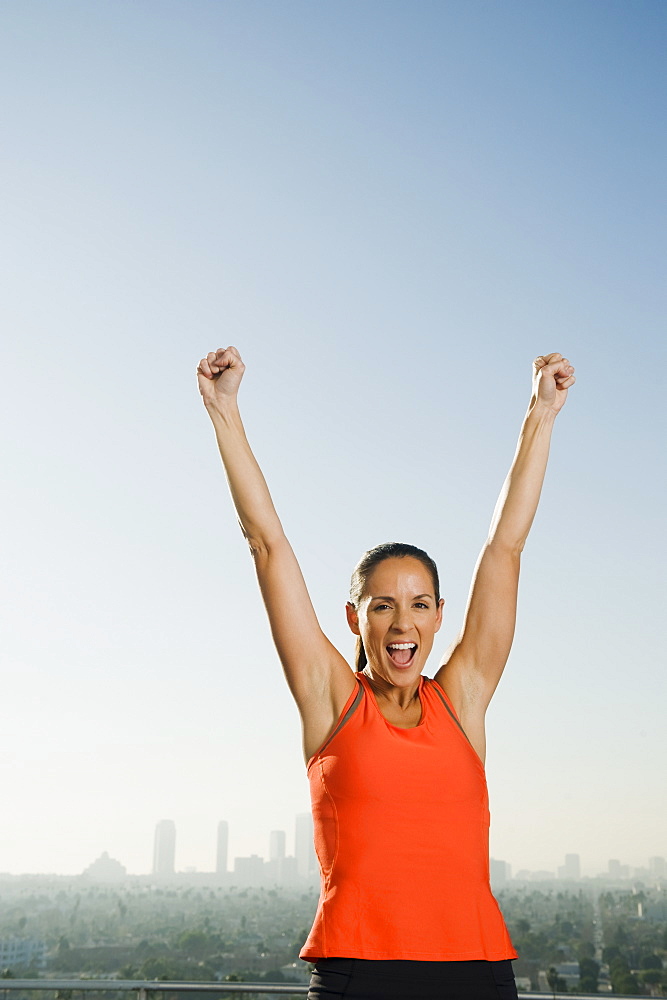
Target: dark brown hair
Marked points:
365	566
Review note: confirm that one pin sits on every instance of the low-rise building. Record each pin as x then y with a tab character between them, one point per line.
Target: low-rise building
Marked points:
22	953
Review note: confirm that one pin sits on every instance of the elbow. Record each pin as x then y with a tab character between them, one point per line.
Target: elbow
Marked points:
257	545
254	540
508	547
258	550
261	545
519	546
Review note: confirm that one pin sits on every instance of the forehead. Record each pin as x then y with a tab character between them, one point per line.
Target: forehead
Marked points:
397	577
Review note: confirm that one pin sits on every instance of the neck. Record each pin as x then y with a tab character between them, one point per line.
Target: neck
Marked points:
403	697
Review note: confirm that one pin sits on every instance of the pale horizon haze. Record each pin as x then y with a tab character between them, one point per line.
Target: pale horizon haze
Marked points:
390	208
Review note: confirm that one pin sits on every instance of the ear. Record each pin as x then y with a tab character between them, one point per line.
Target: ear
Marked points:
438	614
352	618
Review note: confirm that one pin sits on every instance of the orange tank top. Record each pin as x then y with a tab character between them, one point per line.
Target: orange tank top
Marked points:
401	823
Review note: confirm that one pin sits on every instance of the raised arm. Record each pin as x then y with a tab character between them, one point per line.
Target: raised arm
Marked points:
318	676
473	665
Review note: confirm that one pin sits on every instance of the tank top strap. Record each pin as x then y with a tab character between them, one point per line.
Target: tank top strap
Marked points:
432	685
349	709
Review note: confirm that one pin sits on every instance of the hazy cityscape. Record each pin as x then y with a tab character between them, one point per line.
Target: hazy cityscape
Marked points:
246	918
299	868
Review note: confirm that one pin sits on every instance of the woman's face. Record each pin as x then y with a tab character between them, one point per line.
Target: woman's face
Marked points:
397	619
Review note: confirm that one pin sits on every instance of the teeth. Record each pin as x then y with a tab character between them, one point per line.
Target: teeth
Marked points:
402	645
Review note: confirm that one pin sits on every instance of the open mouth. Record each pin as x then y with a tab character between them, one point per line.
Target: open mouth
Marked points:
402	653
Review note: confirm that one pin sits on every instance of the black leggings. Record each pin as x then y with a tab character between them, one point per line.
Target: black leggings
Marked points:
361	979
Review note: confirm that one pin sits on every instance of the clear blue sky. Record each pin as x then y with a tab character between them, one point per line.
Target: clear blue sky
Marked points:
390	208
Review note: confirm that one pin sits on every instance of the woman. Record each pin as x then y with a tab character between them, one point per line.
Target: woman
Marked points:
396	761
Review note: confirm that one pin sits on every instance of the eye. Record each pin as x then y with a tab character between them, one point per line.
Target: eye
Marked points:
420	604
380	607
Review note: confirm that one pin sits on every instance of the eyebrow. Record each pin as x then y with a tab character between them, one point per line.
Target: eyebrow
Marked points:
385	597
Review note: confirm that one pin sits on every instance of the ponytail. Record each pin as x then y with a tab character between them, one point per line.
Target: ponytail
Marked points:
360	659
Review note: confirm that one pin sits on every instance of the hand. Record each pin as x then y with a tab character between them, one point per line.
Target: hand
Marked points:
552	377
219	375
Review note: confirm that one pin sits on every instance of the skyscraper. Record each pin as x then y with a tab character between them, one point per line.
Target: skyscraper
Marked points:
276	845
222	847
164	852
657	867
572	867
500	872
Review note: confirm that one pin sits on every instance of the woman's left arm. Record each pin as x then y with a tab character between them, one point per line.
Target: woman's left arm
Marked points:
473	665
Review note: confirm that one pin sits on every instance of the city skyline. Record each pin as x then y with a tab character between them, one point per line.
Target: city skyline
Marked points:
165	844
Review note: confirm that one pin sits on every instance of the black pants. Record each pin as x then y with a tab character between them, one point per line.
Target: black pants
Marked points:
361	979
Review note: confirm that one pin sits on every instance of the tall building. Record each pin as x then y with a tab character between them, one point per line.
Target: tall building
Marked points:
222	846
304	849
164	852
657	867
276	845
572	867
500	873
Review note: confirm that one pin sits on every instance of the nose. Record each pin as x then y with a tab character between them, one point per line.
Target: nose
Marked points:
402	621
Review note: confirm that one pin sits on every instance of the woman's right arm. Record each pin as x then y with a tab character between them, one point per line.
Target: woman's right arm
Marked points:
319	678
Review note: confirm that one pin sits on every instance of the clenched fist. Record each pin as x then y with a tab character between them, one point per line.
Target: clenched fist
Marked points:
552	377
219	375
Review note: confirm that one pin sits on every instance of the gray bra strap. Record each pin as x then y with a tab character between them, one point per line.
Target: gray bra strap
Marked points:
348	715
444	702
